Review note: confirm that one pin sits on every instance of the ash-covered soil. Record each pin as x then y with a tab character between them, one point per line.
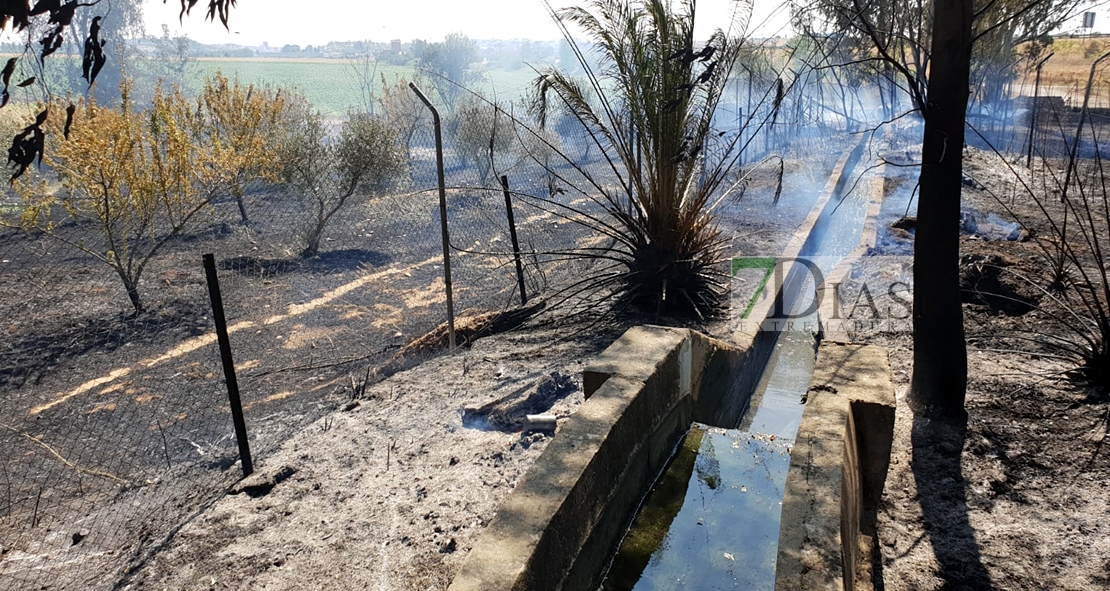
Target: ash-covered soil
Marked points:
389	494
392	492
1017	499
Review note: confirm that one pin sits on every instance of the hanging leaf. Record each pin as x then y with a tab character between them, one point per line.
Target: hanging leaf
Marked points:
44	6
70	110
50	43
16	11
186	7
6	78
779	95
27	146
221	6
94	58
62	15
9	69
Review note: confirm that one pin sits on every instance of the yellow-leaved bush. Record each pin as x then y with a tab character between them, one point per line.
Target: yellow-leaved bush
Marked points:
138	176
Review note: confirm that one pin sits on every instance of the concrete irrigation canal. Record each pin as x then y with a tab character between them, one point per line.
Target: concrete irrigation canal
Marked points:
752	464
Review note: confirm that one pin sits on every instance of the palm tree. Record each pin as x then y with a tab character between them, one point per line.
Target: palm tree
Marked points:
647	102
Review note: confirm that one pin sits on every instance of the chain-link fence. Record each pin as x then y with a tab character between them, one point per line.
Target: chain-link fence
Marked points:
116	426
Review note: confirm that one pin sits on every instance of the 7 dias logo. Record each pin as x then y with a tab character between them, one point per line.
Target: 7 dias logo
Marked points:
826	294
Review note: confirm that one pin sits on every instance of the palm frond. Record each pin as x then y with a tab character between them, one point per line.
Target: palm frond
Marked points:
656	94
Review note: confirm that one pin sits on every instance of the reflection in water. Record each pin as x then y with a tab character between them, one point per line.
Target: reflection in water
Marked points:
712	520
707	465
650	528
776	406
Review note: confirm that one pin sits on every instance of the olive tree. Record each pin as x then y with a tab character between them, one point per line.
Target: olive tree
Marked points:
403	111
327	171
484	135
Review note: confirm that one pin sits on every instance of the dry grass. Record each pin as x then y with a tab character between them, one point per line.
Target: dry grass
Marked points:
1066	73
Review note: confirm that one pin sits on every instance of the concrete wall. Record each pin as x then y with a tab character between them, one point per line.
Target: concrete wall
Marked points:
748	333
837	470
558	527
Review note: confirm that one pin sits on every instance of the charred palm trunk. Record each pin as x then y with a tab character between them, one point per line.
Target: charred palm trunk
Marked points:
940	353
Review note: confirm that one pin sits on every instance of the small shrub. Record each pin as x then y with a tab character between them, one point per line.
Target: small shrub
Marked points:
139	177
365	157
483	135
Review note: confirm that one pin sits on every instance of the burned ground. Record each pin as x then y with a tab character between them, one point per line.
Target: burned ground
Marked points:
1016	499
118	431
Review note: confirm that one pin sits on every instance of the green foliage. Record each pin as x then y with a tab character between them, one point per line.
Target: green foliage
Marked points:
483	135
326	172
650	113
403	112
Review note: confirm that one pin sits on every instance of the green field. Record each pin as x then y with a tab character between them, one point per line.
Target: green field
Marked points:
331	85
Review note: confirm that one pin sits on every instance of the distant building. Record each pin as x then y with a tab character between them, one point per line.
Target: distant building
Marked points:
395	46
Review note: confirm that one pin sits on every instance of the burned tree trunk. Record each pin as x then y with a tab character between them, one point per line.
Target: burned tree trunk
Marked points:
940	354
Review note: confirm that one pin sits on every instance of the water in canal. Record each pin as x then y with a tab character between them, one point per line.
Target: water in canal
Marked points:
712	519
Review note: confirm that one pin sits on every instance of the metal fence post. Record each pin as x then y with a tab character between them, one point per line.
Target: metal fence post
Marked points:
229	365
1033	112
512	235
442	214
1079	129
